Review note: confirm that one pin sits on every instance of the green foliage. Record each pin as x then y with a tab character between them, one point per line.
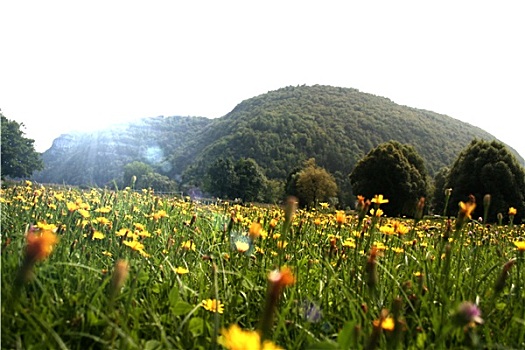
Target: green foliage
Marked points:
179	254
279	130
243	179
133	172
139	175
397	172
19	158
314	184
488	168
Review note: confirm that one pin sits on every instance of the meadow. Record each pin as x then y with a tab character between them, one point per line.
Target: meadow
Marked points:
104	269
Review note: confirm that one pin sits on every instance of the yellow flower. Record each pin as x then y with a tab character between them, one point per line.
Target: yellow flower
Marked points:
378	199
102	220
213	305
40	245
46	227
376	213
84	213
512	211
520	245
71	206
273	222
466	209
340	217
255	230
235	338
97	235
135	245
188	245
324	205
242	246
387	323
182	270
160	214
103	210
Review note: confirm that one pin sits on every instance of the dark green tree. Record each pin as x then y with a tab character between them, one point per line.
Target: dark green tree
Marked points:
314	184
485	167
158	182
397	172
133	173
221	178
438	197
251	181
19	158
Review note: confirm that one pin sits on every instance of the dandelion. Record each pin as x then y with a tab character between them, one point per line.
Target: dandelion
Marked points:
378	200
512	213
387	323
213	305
277	280
97	235
255	230
188	245
181	270
465	211
520	245
324	205
242	246
235	338
40	245
340	217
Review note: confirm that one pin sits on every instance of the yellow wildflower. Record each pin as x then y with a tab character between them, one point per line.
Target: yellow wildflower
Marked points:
255	230
181	270
378	199
513	211
213	305
235	338
387	324
188	245
520	245
97	235
242	246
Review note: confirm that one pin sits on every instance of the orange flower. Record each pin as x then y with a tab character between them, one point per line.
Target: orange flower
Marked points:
40	245
255	230
281	278
340	217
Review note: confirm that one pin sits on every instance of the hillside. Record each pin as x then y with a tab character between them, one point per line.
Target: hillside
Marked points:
278	129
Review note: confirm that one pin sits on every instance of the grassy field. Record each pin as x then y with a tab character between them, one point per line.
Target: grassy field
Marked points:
105	269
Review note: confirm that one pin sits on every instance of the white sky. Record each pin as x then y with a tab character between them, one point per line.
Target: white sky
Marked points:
67	65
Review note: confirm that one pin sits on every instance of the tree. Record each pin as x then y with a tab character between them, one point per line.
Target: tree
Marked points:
439	198
221	178
397	172
251	180
158	182
485	167
135	170
314	184
19	158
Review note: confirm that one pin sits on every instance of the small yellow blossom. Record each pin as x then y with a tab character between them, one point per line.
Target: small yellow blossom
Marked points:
181	270
242	246
520	245
188	245
387	324
235	338
513	211
213	305
97	235
378	199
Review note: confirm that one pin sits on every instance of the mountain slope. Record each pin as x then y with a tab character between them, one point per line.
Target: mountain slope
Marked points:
279	129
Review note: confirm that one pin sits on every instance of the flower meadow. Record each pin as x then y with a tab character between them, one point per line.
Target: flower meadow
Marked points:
104	269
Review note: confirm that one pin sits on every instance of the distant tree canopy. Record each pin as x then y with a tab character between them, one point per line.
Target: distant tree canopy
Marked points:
279	130
397	172
19	158
140	175
487	168
312	184
243	179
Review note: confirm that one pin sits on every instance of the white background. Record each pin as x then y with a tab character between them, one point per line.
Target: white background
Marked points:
71	65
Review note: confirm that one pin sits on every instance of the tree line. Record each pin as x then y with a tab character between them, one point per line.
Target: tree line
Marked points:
392	169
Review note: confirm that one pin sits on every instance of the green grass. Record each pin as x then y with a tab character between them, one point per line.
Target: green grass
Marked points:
419	279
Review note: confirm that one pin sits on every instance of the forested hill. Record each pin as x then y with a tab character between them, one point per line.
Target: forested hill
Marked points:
279	129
